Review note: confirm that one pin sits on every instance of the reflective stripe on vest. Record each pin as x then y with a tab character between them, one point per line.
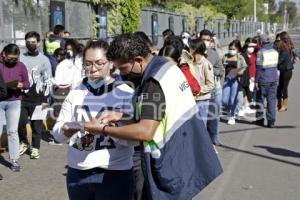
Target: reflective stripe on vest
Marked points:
176	90
270	58
52	46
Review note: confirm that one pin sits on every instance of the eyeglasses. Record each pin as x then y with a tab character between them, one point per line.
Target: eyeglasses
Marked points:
98	64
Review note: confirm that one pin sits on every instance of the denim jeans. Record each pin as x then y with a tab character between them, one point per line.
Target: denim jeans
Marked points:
100	184
230	95
10	110
203	110
240	101
213	123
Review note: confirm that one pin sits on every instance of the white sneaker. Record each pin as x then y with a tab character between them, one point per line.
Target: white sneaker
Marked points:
241	113
231	121
248	110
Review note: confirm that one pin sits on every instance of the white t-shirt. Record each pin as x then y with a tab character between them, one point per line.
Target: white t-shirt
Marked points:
87	151
69	72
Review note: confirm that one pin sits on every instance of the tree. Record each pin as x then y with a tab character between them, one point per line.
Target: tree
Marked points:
291	11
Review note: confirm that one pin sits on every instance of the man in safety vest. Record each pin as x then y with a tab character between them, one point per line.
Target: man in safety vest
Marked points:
266	81
178	159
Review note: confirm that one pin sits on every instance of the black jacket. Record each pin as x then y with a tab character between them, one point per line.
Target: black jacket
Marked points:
2	87
285	61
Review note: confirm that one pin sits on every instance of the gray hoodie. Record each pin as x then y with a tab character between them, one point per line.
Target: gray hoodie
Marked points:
219	70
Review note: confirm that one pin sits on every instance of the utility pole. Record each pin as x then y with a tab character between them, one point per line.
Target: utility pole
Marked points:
254	10
285	21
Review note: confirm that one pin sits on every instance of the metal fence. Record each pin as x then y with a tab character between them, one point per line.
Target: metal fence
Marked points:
16	19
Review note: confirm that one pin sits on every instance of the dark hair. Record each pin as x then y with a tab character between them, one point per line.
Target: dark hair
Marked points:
236	44
95	44
75	46
59	52
175	41
246	44
285	42
144	37
168	32
58	29
198	46
205	32
33	34
170	51
126	47
11	49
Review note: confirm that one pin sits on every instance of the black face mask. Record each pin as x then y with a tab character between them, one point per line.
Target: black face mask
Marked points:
11	63
31	47
133	77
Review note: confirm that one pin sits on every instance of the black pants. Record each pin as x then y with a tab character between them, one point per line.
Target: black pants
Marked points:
58	98
284	80
27	109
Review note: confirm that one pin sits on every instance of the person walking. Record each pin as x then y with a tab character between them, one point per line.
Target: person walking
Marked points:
285	66
235	66
16	78
266	82
215	102
39	70
3	94
248	79
204	75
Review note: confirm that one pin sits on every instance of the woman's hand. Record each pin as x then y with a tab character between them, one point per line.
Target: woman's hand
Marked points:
70	128
20	85
94	126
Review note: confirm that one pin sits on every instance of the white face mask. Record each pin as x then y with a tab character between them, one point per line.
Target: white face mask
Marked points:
186	41
207	44
232	52
250	50
70	52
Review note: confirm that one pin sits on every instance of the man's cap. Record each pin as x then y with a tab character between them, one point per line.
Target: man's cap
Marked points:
265	38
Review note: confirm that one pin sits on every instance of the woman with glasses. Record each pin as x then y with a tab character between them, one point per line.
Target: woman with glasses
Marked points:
100	166
15	77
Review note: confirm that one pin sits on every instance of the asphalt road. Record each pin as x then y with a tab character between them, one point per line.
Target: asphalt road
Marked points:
259	163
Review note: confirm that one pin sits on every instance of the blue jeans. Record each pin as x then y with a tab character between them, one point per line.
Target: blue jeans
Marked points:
268	91
100	184
240	100
230	94
203	110
10	110
213	123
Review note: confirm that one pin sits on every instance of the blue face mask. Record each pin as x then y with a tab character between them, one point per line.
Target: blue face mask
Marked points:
95	85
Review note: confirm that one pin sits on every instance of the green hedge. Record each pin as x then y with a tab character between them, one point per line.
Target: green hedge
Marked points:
124	15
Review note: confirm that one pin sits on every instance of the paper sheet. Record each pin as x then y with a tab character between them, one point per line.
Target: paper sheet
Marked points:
39	113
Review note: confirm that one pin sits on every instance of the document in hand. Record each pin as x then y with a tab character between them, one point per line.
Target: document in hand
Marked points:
39	113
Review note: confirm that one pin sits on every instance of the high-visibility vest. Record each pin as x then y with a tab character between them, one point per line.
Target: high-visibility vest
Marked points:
52	46
180	160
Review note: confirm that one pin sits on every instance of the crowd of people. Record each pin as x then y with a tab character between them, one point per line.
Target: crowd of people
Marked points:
130	112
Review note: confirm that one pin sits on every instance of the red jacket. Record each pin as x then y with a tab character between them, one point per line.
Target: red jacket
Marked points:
252	65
